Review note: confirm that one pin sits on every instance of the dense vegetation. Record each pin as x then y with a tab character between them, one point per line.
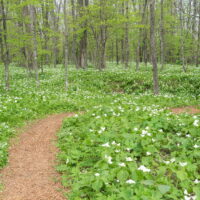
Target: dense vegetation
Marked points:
126	144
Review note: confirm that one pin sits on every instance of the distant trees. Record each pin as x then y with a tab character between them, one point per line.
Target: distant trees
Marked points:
33	33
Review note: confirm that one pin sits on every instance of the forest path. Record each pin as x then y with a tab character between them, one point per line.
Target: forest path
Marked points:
30	173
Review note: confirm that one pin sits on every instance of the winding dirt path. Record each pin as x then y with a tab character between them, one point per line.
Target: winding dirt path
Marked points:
30	174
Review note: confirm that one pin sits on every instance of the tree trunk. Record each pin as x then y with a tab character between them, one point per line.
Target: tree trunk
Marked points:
65	44
74	45
162	36
140	36
198	40
82	53
126	42
117	52
4	48
153	47
182	35
34	42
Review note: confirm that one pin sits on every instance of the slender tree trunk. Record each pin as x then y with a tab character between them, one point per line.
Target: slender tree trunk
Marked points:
140	37
34	42
4	47
82	53
162	36
65	44
117	52
153	47
182	36
198	40
127	53
74	45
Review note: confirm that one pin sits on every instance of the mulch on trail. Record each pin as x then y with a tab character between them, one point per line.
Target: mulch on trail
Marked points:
30	174
186	109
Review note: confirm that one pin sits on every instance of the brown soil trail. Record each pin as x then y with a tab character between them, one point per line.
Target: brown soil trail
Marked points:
30	174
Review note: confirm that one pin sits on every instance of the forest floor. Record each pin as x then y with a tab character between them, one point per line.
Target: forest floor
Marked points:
187	109
30	173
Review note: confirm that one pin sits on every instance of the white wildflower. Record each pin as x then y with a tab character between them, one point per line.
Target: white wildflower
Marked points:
67	161
188	135
122	164
196	146
128	149
130	181
166	162
148	153
196	123
183	164
97	174
144	169
113	143
106	145
109	159
173	160
196	181
129	159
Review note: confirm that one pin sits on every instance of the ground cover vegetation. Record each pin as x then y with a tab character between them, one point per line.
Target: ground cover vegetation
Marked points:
124	128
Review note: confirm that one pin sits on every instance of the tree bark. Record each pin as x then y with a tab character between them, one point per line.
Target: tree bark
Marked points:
4	47
162	36
34	42
198	39
65	44
139	37
153	47
182	35
82	53
127	53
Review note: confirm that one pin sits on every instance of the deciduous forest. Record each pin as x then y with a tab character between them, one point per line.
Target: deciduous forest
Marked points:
100	99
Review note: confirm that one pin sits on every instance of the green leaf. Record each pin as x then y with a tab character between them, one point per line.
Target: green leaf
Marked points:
97	185
148	182
122	175
164	188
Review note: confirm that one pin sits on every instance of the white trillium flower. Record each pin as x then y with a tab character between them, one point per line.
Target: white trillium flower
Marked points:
196	123
106	145
130	181
173	160
97	174
109	159
188	135
67	161
166	162
196	146
144	169
183	164
129	159
197	181
148	153
122	164
113	143
128	149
